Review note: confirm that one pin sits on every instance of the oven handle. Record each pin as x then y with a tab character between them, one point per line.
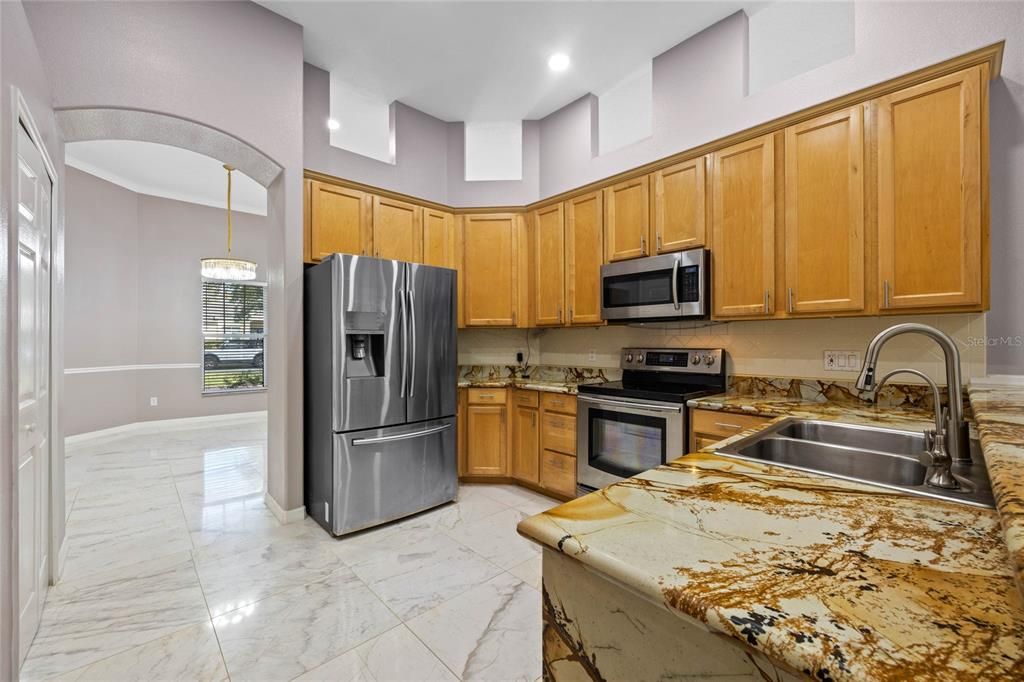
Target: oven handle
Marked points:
635	406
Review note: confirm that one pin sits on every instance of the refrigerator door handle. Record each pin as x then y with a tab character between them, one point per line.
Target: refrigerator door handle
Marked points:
412	334
401	436
405	345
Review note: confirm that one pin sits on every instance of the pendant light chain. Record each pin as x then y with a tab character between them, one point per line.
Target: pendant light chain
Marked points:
228	269
229	169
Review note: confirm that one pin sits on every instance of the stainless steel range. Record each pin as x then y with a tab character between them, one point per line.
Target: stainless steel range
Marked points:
629	426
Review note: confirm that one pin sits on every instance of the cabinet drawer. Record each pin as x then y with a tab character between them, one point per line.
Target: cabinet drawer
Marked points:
559	402
558	433
486	396
724	424
558	472
525	398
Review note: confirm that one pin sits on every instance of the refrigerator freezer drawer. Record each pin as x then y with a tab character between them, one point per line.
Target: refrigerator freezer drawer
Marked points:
385	474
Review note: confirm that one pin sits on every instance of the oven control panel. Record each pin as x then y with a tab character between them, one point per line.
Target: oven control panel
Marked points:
689	360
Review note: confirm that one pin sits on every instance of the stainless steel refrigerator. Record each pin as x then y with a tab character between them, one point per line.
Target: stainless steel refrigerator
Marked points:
380	390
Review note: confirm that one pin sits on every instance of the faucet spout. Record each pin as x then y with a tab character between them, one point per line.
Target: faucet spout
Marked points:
957	433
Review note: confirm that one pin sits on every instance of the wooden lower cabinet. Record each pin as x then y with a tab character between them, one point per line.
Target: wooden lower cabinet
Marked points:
525	443
486	440
558	473
707	427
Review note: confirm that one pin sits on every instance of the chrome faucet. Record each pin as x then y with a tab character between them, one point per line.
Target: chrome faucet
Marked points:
957	440
934	456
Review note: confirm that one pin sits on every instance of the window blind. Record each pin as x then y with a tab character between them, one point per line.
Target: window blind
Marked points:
233	328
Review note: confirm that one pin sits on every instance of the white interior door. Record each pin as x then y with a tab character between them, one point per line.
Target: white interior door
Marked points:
34	222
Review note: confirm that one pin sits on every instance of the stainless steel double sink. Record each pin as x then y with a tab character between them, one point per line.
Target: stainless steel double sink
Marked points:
866	454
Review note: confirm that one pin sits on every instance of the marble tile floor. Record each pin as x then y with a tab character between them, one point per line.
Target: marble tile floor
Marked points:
176	570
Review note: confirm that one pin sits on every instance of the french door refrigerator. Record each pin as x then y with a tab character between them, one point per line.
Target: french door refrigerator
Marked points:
380	390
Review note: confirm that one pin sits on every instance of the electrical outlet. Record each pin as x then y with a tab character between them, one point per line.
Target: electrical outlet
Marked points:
592	355
841	361
519	356
154	401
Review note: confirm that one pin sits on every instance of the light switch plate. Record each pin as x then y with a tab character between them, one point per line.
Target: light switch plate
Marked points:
841	361
592	355
154	401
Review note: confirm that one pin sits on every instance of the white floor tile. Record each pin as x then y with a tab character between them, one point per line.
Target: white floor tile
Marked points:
495	538
529	572
395	656
287	635
492	632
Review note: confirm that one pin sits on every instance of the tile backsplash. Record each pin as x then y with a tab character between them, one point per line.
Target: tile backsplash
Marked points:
771	348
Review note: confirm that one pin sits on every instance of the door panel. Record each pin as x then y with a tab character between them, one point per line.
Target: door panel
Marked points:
486	440
627	223
433	367
397	230
438	238
679	207
525	444
368	309
385	474
34	191
549	254
929	193
339	221
743	226
825	213
584	256
491	264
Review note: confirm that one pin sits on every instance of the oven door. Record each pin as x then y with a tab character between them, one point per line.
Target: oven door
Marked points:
618	438
659	287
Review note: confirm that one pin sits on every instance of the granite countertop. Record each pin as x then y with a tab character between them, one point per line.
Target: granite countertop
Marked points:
831	578
999	418
521	382
550	378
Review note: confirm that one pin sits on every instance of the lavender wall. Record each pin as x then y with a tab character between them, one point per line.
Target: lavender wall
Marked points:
233	66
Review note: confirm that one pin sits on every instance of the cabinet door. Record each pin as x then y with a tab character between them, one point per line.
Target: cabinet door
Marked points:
549	270
929	193
627	220
397	230
339	221
825	213
525	444
438	238
486	440
679	211
490	245
584	254
743	229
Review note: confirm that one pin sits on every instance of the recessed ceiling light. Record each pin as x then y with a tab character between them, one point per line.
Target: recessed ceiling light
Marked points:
332	124
558	61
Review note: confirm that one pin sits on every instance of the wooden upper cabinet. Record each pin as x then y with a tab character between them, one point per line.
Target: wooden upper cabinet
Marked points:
743	229
929	193
584	254
397	230
824	252
339	220
438	238
490	264
627	219
549	266
679	211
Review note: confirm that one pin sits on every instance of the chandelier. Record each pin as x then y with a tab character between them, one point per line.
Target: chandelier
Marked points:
228	268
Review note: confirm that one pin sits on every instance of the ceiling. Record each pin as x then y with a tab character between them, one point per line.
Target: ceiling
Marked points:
165	171
487	61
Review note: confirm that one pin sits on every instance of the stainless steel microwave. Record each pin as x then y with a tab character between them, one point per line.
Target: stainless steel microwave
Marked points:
667	287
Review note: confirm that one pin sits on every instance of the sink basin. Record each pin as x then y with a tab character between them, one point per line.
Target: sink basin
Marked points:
883	457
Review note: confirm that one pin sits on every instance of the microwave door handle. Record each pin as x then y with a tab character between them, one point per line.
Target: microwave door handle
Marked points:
635	406
675	283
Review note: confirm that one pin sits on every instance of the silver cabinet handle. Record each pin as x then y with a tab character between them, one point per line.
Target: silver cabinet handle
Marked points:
657	241
735	427
675	283
643	244
400	436
765	301
559	314
885	294
789	300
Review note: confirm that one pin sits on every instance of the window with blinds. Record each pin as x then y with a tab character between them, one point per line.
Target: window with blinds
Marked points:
232	337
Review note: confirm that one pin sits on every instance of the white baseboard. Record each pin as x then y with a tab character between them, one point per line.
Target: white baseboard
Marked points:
285	517
169	425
